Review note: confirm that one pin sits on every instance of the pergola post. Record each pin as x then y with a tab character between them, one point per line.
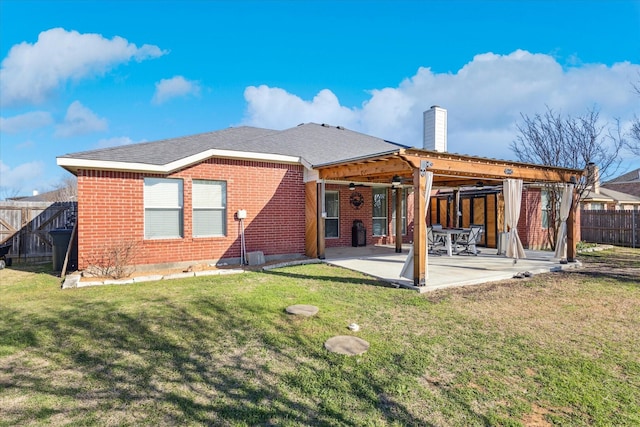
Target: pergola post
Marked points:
311	219
320	216
571	230
419	227
399	195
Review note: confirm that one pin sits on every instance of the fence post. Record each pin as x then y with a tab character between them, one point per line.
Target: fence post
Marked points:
633	228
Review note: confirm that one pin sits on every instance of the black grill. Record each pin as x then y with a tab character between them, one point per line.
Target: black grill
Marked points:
358	234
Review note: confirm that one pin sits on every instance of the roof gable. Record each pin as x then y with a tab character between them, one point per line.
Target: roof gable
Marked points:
170	150
310	144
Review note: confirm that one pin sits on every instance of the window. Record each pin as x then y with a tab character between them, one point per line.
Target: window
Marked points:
209	208
404	193
545	203
332	220
162	208
380	220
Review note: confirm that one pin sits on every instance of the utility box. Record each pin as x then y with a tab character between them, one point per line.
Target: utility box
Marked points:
256	258
358	234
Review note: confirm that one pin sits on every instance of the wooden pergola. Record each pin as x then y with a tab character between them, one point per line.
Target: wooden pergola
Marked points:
449	170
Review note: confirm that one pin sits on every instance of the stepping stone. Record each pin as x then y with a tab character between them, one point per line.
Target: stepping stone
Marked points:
302	310
347	345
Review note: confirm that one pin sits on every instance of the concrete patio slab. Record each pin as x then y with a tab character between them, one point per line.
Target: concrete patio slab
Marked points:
443	271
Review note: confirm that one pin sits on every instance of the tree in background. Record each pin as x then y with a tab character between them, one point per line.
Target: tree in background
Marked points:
633	144
65	191
571	142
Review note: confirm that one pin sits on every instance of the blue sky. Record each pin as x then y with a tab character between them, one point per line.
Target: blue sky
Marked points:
81	75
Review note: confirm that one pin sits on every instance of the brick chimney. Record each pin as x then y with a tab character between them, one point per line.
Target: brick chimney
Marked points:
435	129
593	177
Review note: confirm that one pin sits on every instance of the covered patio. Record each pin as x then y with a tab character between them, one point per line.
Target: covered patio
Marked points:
424	170
382	262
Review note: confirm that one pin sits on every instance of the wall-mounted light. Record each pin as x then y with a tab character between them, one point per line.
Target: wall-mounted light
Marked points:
352	186
396	181
479	184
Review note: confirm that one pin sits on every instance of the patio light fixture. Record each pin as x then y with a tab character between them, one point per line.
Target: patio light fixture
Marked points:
352	186
396	181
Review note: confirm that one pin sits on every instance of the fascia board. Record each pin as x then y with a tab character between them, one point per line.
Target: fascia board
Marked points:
75	164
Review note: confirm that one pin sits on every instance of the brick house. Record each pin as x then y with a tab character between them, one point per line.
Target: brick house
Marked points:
628	183
302	189
180	197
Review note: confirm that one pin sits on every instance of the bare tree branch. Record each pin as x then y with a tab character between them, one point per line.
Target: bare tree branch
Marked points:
633	144
570	142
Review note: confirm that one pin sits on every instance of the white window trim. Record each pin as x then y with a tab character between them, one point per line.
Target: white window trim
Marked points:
165	206
386	210
222	208
332	217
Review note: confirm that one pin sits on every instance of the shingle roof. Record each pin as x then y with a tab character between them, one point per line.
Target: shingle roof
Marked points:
169	150
633	176
628	183
316	144
612	195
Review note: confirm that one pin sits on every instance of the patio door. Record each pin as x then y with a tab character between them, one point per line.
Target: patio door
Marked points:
481	209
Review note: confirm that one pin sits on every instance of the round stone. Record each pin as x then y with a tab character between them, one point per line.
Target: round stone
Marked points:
347	345
302	309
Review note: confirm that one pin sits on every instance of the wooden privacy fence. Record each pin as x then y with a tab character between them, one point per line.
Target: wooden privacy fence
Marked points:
26	226
620	228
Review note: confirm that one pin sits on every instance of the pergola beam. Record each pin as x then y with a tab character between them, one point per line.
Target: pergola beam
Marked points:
466	168
367	172
448	169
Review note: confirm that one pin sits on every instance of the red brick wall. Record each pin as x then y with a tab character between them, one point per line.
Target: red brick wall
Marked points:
111	210
348	214
530	230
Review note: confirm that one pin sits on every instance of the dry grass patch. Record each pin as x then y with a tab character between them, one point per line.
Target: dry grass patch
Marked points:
222	351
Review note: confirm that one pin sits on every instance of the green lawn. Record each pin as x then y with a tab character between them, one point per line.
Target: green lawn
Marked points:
560	348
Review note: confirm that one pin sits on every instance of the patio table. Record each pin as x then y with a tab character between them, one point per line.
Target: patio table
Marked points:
448	234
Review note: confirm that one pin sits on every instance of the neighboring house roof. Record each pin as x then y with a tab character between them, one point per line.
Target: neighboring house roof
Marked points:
628	183
608	195
310	144
58	195
633	176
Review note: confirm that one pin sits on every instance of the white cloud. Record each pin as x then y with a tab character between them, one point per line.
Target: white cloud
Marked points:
31	73
14	179
25	122
115	142
276	108
484	100
174	87
80	120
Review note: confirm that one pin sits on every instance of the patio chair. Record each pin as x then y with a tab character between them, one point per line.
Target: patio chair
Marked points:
468	241
434	242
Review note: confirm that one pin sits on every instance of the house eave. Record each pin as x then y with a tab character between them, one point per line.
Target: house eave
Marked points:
74	164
